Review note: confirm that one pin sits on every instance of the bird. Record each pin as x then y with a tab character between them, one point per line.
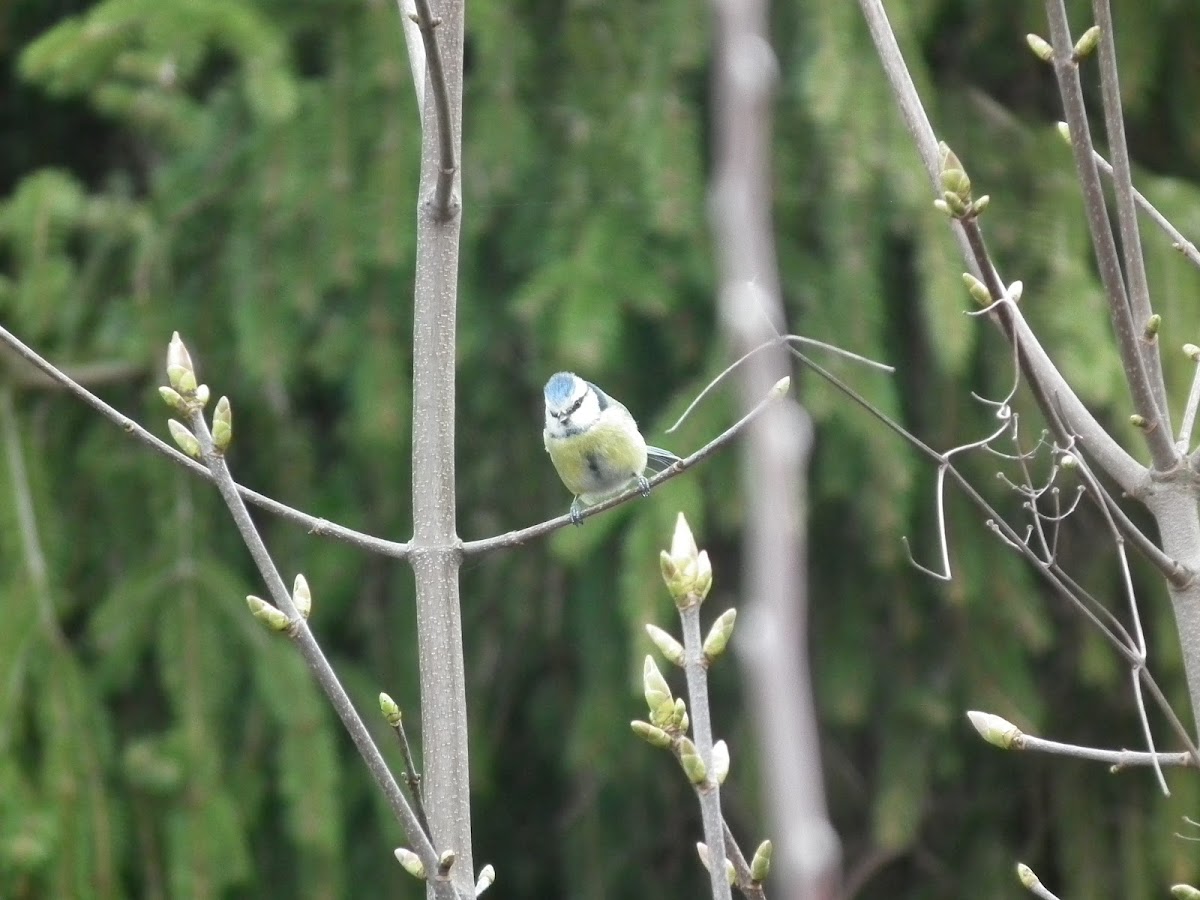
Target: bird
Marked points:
595	444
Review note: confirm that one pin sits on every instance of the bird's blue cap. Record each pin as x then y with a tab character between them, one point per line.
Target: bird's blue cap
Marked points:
560	387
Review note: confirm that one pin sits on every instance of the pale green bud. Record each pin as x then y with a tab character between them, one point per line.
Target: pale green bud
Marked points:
222	427
446	861
654	686
720	761
1064	132
977	289
202	395
411	862
1028	880
781	387
686	571
651	734
171	397
980	205
1087	43
185	439
1185	892
487	875
760	865
1040	46
274	618
391	710
719	635
1137	421
679	716
693	765
1153	324
996	730
670	648
1192	352
301	595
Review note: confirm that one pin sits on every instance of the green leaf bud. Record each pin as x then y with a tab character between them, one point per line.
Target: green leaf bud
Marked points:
760	865
720	761
390	709
670	648
651	734
693	765
185	439
977	289
411	862
1087	43
1040	46
487	875
996	730
171	397
719	635
222	427
274	618
1153	324
302	596
654	686
1184	892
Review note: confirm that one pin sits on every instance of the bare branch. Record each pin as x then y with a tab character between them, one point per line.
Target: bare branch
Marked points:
312	524
1039	371
1131	240
416	50
1180	243
443	205
306	643
1128	333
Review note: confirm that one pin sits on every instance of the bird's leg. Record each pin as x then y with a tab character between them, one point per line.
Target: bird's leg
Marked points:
643	486
576	512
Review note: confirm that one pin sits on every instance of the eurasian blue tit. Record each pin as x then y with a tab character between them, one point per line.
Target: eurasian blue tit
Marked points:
594	443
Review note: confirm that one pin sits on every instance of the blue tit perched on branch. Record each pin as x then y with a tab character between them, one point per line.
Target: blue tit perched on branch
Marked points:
594	443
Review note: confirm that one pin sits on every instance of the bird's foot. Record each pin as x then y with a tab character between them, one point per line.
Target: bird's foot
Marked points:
643	486
576	512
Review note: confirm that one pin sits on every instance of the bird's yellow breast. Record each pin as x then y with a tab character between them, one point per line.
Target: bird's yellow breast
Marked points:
599	461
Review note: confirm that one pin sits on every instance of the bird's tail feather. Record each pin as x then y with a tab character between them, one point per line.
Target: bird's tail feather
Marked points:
658	459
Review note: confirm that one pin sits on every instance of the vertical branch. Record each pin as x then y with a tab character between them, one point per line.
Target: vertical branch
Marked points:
436	552
1131	239
775	646
1129	334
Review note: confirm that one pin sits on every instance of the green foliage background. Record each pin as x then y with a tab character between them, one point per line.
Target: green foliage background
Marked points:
244	171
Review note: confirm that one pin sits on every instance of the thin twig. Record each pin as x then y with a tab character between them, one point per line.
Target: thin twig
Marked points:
1033	885
412	777
416	50
1128	333
314	525
443	206
1181	243
524	535
1040	373
1189	412
307	644
1050	572
775	342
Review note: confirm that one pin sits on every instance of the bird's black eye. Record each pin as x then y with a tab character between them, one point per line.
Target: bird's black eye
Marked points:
573	408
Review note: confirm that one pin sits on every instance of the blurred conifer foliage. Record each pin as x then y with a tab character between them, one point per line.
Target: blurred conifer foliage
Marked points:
244	171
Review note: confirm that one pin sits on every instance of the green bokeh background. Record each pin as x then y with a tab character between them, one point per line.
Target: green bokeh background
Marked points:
244	172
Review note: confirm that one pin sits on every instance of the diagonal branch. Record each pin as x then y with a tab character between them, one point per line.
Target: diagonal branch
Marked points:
313	524
1039	371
